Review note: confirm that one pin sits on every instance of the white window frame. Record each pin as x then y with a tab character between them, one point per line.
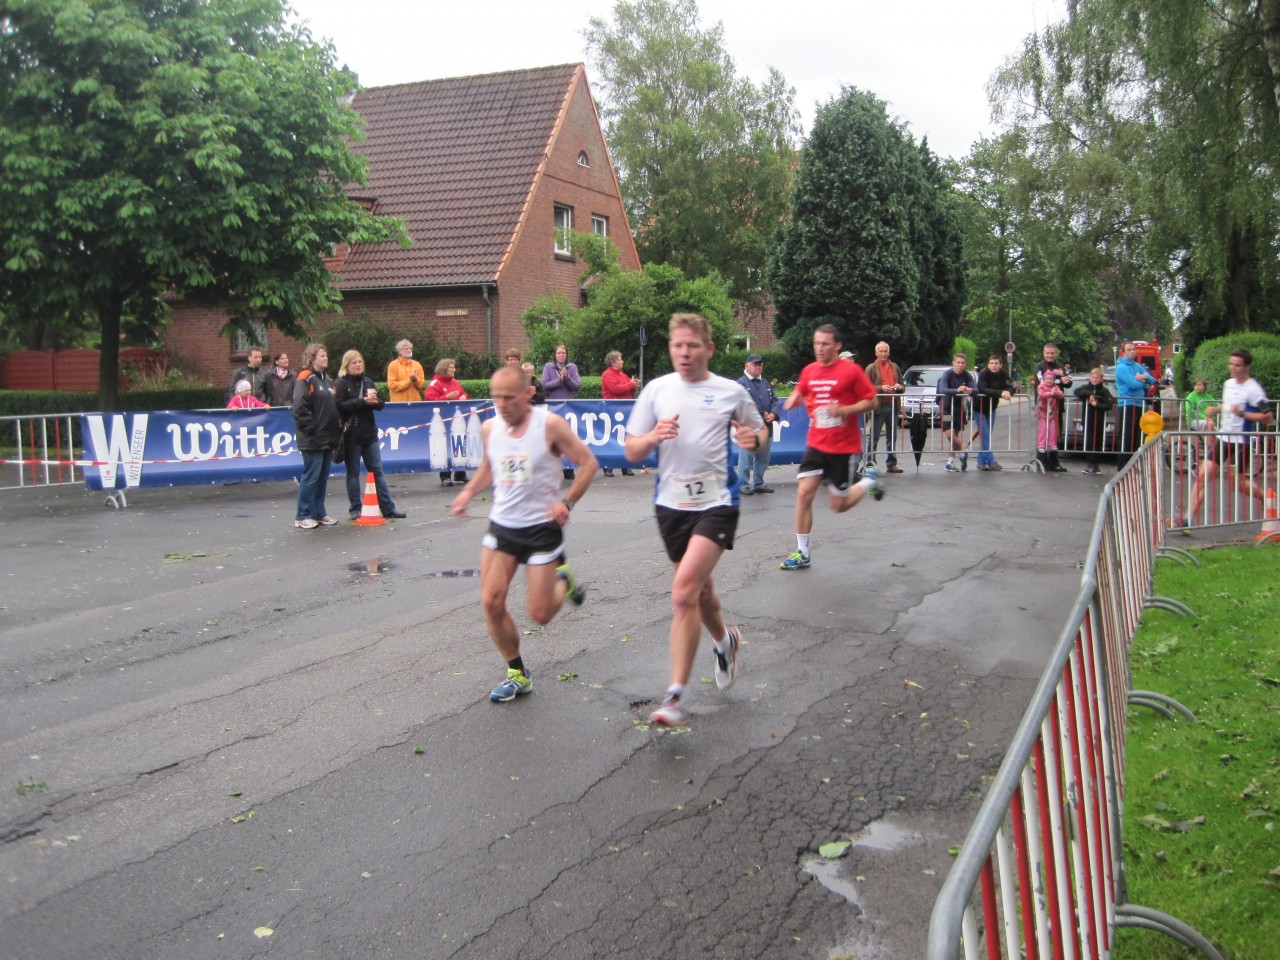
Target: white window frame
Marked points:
243	342
599	225
563	229
583	159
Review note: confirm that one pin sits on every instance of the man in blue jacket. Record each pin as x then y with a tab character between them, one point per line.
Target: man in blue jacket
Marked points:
753	463
1132	380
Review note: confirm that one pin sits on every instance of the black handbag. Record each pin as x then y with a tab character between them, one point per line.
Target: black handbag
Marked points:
344	438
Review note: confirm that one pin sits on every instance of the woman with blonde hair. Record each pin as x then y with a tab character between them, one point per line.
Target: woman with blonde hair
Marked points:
358	398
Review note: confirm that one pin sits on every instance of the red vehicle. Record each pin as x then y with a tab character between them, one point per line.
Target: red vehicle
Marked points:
1147	353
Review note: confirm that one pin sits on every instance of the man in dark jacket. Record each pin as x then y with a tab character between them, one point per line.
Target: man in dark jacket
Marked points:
955	388
252	371
1051	364
993	386
753	463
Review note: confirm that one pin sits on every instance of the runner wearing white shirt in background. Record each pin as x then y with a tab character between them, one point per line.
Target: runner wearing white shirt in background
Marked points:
1243	410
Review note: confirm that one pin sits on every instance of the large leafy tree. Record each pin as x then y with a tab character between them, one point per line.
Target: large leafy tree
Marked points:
158	148
622	302
1027	281
704	157
1153	130
872	237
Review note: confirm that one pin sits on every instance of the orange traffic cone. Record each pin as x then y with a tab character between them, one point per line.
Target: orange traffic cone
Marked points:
370	514
1271	520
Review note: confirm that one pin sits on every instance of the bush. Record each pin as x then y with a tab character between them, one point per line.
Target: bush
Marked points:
15	403
1210	360
778	364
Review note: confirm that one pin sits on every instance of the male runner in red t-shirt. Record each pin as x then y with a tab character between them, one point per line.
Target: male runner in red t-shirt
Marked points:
836	393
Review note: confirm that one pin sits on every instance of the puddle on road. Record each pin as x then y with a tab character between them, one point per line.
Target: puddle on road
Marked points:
373	567
879	835
841	877
827	873
377	566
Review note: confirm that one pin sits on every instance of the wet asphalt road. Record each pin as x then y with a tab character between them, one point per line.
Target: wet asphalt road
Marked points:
212	725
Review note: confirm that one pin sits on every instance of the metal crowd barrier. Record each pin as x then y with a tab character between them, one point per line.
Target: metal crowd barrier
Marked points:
40	450
927	433
1041	873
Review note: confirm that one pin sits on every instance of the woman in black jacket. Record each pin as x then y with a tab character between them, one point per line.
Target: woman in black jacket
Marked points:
1095	400
357	400
315	416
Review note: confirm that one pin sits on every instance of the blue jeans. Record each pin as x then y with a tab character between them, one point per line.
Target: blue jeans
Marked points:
313	484
882	419
751	467
355	476
985	422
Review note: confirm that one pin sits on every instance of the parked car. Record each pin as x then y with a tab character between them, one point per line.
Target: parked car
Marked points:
920	391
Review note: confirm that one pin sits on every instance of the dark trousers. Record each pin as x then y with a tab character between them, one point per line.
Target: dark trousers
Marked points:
368	452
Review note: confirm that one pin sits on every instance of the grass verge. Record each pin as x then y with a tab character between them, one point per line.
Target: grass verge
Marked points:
1202	804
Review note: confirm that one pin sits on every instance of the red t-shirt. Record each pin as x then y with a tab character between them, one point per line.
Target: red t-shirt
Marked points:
845	383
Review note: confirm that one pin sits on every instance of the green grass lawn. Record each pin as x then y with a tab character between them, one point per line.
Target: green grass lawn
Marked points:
1202	807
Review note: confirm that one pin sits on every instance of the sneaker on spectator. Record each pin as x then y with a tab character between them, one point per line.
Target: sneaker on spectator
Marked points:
727	662
307	524
517	684
993	465
327	521
671	714
796	561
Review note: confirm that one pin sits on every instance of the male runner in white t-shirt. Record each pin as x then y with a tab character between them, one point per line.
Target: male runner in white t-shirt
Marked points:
689	417
1242	411
523	446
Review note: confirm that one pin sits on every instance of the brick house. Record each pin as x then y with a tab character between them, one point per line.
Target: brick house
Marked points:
487	173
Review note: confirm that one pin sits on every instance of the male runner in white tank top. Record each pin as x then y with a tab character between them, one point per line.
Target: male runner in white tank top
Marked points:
523	445
689	417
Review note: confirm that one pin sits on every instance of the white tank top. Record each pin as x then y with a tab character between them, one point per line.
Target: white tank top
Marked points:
526	476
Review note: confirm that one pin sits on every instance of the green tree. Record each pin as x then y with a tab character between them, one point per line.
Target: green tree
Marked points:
620	303
704	156
156	148
1153	130
872	239
1027	279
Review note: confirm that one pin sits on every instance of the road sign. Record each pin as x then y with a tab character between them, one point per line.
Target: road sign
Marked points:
1010	347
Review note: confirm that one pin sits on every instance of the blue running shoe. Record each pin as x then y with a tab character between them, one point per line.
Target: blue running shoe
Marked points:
797	561
517	684
951	467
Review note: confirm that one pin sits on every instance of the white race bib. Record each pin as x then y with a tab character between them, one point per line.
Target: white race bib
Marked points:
514	470
826	420
696	492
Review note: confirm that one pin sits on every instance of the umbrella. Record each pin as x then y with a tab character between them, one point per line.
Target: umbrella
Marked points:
918	425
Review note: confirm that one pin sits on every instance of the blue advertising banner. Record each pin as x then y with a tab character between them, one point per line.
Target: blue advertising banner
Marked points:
170	448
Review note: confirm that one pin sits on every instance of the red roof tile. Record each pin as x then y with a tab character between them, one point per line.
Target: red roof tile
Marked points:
456	159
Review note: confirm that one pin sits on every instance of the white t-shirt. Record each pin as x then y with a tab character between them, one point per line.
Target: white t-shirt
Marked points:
526	476
695	470
1234	393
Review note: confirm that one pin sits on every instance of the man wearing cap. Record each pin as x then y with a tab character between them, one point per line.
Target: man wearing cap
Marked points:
886	377
753	463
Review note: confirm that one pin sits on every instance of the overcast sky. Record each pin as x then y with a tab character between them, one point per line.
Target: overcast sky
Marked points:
929	60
